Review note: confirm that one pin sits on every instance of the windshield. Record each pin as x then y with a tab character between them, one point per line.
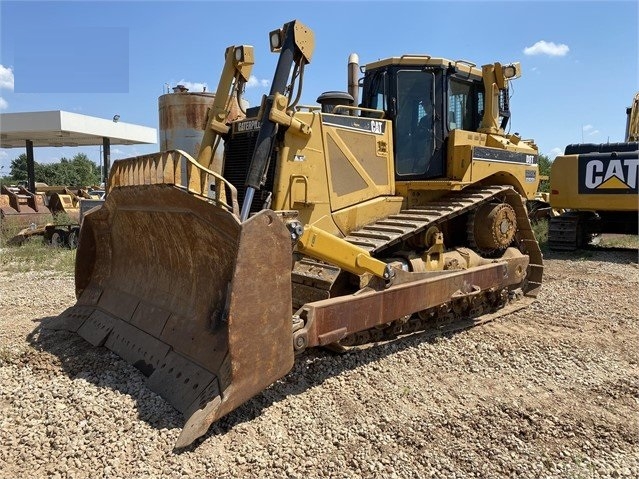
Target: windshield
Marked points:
414	122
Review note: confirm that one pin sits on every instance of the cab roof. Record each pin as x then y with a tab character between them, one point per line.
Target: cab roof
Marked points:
462	66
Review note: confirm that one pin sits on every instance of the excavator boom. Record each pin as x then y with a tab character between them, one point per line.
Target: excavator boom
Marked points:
632	125
238	64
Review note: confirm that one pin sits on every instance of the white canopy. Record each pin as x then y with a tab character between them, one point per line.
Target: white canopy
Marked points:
63	128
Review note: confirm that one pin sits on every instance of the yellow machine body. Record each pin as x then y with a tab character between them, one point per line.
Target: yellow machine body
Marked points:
331	225
597	186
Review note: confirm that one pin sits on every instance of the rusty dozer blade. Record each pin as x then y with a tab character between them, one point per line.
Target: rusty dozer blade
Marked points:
196	300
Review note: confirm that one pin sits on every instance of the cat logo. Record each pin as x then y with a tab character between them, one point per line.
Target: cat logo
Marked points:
614	174
248	125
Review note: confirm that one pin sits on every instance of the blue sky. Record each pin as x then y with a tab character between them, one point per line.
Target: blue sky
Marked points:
579	58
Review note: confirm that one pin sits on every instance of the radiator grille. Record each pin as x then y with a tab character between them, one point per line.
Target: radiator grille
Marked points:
238	150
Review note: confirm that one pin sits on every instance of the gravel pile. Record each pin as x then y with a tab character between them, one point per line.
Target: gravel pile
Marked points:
550	391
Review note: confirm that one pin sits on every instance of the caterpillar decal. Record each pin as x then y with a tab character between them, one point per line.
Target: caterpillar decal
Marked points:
605	175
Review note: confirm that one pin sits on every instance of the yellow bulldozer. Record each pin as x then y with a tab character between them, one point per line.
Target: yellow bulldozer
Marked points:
596	185
335	225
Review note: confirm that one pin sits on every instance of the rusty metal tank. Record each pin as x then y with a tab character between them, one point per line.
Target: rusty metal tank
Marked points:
183	118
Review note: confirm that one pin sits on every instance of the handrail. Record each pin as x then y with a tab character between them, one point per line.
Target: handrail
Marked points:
381	113
178	168
312	108
308	107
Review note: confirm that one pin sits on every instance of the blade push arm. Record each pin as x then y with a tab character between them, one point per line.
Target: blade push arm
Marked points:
294	42
496	78
237	69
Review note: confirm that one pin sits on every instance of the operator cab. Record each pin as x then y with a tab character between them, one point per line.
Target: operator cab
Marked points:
426	98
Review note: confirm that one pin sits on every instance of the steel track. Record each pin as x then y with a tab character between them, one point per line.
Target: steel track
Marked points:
313	280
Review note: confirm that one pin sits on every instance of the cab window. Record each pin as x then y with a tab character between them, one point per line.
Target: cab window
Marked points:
414	122
465	105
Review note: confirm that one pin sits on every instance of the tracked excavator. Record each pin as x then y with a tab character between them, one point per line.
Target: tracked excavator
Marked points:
334	225
597	186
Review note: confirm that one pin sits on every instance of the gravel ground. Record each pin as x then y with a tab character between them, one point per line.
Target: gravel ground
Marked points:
550	391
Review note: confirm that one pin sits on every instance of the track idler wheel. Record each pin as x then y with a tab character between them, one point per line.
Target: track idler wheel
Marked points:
492	227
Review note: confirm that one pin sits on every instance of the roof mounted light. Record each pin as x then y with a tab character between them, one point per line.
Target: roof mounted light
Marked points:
512	71
239	54
276	38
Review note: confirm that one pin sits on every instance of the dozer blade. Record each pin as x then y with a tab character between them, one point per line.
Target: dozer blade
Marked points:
196	300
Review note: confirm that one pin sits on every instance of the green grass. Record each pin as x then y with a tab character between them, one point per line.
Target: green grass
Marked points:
34	255
619	241
63	219
9	231
540	230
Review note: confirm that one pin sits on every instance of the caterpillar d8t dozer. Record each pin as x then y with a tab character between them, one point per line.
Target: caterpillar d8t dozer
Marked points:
334	225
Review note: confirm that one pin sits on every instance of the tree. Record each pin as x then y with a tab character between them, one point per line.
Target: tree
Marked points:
544	163
19	169
52	174
87	173
78	172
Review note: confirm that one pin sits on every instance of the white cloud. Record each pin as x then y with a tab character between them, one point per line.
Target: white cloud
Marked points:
593	132
253	82
543	47
195	87
587	127
3	104
6	77
555	152
4	155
